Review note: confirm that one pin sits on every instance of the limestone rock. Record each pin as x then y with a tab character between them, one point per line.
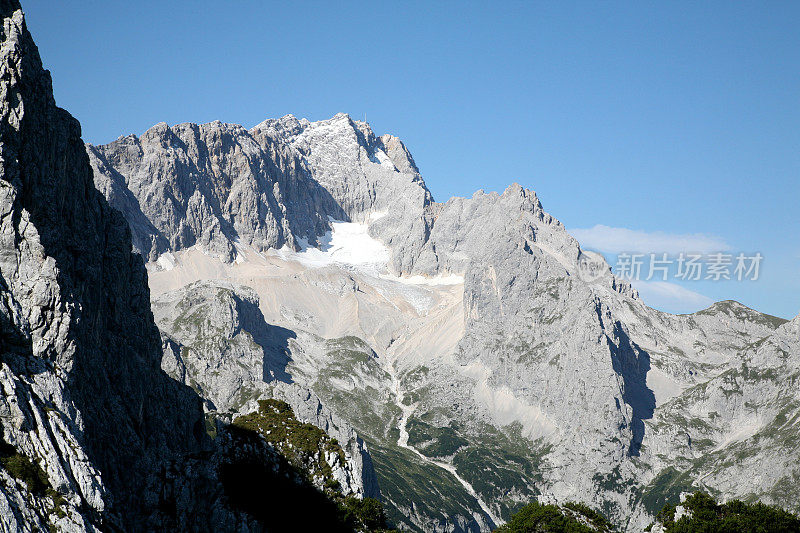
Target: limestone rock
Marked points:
83	395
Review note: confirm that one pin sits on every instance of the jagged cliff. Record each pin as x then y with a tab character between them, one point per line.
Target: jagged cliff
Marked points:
219	185
82	391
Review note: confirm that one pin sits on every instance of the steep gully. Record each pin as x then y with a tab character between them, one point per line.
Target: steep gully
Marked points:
390	365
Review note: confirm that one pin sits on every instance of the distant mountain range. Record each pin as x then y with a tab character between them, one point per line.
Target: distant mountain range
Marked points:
290	298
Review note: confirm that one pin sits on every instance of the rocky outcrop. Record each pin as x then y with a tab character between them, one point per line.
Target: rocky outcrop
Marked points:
214	185
217	341
218	185
371	178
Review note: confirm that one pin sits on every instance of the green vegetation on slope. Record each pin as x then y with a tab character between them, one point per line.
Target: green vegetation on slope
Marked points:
299	442
742	312
502	465
434	441
281	492
698	513
701	513
23	469
568	518
408	483
491	459
667	486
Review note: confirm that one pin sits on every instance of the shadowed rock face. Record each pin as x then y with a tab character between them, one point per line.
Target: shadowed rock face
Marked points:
83	389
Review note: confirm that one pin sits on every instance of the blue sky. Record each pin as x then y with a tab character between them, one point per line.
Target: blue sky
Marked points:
668	119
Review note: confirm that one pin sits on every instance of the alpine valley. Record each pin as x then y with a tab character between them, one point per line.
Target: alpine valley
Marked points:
206	317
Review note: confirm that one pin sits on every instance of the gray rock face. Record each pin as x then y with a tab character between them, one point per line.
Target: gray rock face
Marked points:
367	176
213	185
643	392
217	185
82	390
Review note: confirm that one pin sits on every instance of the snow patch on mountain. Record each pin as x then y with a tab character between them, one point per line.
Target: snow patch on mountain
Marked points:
347	243
439	279
382	159
166	261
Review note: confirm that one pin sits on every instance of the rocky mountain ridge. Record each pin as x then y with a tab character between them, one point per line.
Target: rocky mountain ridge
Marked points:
533	347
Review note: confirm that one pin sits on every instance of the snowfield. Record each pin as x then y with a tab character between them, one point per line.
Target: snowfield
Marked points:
348	243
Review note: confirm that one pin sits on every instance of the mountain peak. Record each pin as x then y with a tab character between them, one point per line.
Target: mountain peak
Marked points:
218	185
740	311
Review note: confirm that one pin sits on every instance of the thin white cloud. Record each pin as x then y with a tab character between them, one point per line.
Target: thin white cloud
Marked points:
671	297
616	240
